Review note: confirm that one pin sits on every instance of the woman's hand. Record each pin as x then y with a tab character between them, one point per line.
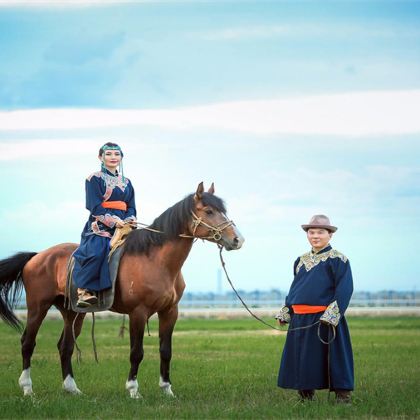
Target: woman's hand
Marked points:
119	224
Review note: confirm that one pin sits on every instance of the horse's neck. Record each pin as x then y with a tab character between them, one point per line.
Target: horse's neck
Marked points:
174	254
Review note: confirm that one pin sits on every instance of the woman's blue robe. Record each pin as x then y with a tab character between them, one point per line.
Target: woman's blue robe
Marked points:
320	279
91	257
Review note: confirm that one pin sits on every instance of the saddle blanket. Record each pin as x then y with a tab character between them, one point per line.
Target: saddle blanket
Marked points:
105	297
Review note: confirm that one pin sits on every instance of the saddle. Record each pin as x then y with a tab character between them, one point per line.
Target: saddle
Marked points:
105	297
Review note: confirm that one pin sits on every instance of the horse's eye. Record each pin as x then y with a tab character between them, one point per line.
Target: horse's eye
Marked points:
209	212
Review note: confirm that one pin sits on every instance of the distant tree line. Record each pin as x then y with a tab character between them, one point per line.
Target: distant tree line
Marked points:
276	297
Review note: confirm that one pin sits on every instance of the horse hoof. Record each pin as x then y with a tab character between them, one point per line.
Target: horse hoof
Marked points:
28	392
135	395
168	392
132	387
69	385
73	391
25	382
167	389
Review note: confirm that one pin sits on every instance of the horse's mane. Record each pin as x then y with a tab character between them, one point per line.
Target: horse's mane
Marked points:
172	222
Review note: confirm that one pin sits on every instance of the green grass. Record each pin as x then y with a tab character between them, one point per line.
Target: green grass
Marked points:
220	369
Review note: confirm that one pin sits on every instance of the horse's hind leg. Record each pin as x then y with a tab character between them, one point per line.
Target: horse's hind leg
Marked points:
167	322
65	347
28	340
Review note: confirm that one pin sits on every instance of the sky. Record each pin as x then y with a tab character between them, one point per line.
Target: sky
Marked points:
292	108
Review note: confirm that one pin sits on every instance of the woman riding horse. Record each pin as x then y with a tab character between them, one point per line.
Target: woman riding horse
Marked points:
149	281
110	201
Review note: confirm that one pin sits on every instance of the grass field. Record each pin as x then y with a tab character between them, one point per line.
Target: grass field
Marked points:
220	369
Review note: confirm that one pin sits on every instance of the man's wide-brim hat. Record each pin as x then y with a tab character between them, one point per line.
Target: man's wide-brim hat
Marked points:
319	221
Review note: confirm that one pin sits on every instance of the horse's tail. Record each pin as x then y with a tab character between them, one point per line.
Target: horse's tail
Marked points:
11	285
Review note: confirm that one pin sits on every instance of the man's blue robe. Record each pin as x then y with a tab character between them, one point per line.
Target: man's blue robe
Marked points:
320	279
91	257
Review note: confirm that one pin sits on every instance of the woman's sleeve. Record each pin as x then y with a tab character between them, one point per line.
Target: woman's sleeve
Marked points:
94	199
131	206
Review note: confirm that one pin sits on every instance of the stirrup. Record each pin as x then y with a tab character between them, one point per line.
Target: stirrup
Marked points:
85	299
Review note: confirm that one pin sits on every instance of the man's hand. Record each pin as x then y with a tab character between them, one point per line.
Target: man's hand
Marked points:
283	316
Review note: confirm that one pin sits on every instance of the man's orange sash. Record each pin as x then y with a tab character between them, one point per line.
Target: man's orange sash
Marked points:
307	309
117	205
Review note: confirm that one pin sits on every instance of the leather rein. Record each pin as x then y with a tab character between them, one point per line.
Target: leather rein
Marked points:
330	340
215	233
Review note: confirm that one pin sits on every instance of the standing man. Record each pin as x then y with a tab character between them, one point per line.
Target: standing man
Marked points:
319	296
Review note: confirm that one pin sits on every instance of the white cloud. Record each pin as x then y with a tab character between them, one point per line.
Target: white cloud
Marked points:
43	214
30	149
366	197
239	33
38	225
348	114
78	3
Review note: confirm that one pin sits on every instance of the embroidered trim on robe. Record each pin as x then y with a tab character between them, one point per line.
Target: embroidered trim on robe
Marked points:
111	182
332	314
310	259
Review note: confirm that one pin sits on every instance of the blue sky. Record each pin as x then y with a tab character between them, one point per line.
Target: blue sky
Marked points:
291	107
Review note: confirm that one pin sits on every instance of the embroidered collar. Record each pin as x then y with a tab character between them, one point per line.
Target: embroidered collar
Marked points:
311	259
108	172
327	248
111	181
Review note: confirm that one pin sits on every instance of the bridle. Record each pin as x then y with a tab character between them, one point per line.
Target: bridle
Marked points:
215	232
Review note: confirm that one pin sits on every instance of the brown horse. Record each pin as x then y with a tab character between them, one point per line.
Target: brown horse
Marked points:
149	281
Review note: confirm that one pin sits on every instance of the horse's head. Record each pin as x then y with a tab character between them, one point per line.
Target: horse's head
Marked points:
209	220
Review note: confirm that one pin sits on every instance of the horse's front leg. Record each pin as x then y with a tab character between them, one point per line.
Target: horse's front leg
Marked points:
167	322
138	320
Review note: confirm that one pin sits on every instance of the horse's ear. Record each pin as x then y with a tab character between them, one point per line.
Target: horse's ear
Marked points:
199	192
211	189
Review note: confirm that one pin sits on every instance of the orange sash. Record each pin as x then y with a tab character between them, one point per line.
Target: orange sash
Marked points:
117	205
307	309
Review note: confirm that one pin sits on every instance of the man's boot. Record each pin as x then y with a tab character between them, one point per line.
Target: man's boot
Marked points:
306	394
342	396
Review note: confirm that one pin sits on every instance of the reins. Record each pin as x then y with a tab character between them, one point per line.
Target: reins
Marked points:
146	227
215	233
266	323
92	332
237	294
328	342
